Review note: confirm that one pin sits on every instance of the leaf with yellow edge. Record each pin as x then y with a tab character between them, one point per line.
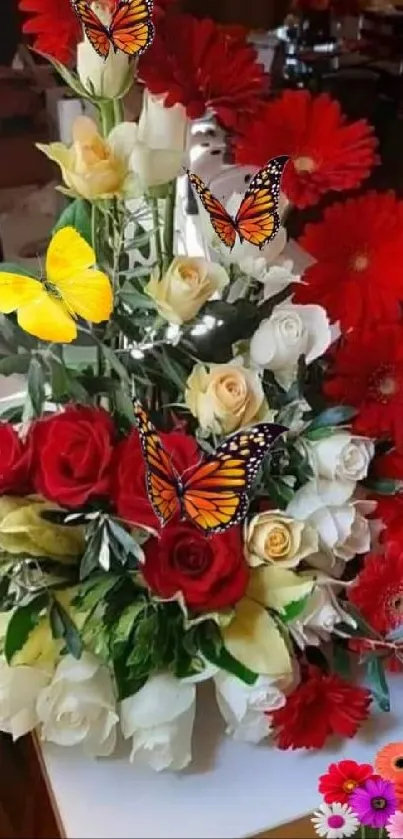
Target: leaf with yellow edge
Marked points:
24	531
276	588
253	638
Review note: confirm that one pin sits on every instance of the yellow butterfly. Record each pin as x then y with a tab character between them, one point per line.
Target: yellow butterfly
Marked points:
72	288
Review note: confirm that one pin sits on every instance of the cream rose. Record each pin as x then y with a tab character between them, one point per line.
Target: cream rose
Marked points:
185	287
277	538
159	718
78	707
94	167
109	77
160	142
19	691
342	456
290	332
245	707
225	397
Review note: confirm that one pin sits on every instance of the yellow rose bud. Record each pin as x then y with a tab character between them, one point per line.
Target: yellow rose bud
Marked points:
225	397
273	537
94	167
24	531
185	287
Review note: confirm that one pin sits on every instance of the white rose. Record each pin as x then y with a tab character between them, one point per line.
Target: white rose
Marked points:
273	537
19	690
340	521
245	707
78	707
160	142
159	718
291	331
319	619
342	456
103	77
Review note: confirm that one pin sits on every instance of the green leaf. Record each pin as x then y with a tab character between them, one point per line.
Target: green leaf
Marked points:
11	268
18	363
292	610
338	415
90	558
172	369
78	215
67	75
21	624
384	486
124	406
342	661
63	627
123	627
376	681
319	433
36	386
212	647
114	362
13	413
125	540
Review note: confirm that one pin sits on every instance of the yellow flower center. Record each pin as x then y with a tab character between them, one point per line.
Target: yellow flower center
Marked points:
360	262
278	542
304	164
349	786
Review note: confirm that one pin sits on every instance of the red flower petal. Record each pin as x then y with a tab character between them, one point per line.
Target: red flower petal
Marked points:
327	153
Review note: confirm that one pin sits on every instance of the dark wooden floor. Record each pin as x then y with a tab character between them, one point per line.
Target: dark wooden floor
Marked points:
25	809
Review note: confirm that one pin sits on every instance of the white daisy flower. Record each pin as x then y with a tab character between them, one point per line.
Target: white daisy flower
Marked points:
335	821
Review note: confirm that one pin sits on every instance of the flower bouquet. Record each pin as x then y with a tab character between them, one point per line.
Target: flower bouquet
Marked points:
108	620
363	800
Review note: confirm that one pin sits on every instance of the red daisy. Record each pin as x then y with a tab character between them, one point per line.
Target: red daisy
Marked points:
389	507
320	706
55	26
378	589
61	41
357	245
194	63
367	373
327	152
342	778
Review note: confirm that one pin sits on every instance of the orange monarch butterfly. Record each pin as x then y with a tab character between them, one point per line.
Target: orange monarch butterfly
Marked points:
131	29
215	495
257	219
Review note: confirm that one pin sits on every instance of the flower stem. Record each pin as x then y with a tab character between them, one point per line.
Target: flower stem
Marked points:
169	224
108	116
118	111
157	234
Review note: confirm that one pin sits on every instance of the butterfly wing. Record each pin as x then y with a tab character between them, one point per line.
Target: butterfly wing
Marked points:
257	219
84	290
132	29
220	219
37	312
162	480
216	495
95	31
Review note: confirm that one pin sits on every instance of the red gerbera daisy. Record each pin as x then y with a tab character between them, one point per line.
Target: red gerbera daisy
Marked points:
357	245
327	153
342	778
55	25
194	63
320	706
389	507
57	28
367	373
378	590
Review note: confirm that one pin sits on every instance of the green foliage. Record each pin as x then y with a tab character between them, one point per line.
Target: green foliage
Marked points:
24	619
78	215
376	681
63	627
212	646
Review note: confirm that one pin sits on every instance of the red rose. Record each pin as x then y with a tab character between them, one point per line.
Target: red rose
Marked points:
73	454
14	462
210	572
129	490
